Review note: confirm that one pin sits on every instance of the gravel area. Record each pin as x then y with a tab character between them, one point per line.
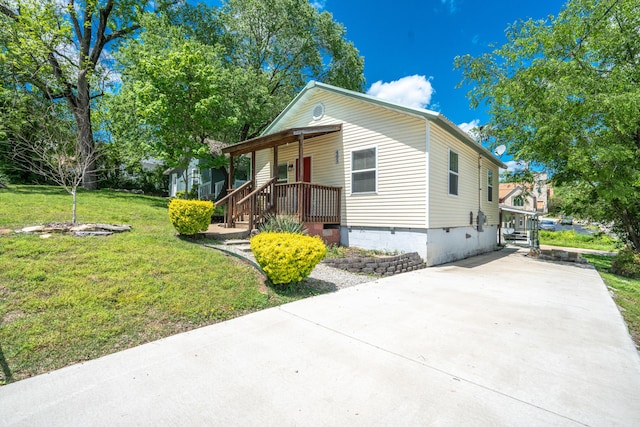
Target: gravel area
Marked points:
322	277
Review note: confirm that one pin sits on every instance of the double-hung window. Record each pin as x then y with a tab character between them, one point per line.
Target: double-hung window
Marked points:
364	171
453	173
489	185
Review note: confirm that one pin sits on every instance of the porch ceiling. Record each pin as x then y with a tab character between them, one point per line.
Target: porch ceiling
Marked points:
280	138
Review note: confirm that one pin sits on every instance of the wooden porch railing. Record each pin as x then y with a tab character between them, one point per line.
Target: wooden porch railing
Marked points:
232	210
307	202
318	203
260	203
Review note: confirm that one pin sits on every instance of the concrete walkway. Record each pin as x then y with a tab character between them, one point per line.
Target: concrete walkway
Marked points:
493	340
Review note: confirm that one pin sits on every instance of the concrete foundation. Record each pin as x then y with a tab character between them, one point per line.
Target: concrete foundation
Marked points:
435	246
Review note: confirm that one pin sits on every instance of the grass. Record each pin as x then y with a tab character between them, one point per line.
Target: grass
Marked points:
571	239
68	299
626	293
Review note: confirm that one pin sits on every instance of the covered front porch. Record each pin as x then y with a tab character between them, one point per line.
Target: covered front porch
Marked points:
315	204
518	225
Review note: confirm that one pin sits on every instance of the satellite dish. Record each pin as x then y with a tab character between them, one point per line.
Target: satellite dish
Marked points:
500	149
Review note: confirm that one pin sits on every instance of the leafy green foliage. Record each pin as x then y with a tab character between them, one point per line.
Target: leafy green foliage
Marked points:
53	50
564	93
190	216
282	224
626	263
277	46
287	258
176	90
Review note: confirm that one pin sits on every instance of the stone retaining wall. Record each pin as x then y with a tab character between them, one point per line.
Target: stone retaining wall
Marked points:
379	266
559	255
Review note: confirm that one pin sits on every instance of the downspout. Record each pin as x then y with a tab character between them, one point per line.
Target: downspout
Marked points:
480	213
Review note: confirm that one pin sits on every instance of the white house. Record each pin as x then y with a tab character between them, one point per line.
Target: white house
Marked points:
375	174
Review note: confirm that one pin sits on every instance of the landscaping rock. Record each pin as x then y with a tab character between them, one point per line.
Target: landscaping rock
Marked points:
75	229
379	266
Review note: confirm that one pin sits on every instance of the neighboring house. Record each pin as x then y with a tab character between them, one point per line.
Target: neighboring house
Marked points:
521	203
531	197
374	174
210	182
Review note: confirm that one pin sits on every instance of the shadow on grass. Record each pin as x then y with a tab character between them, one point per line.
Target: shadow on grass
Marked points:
36	189
8	376
154	201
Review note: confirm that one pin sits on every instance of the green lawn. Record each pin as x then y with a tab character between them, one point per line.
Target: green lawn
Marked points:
571	239
67	299
626	291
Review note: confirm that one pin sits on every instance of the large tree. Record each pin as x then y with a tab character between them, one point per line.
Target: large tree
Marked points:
56	49
565	93
278	45
175	94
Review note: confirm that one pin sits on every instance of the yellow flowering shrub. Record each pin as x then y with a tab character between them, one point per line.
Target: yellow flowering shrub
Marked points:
287	258
190	216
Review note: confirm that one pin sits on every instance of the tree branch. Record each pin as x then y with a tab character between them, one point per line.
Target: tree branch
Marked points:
8	12
74	20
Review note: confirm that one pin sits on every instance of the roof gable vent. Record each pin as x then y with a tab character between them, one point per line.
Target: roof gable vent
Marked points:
318	111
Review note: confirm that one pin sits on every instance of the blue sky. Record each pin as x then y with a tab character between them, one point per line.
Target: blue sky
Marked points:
409	45
414	43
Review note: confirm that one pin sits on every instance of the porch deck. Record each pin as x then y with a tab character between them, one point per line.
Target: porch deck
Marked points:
310	203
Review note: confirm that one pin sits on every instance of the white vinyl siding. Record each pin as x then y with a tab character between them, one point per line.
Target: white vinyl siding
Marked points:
445	210
400	168
364	170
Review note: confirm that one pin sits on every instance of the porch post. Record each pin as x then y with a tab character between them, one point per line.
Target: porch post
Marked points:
253	167
231	172
300	175
274	166
231	203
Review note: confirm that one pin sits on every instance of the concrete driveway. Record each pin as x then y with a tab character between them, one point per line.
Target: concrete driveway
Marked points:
493	340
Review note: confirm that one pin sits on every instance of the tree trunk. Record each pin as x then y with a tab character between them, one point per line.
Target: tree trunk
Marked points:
74	217
82	114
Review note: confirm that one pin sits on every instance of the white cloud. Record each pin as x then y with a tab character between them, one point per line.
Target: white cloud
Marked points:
451	4
468	127
513	165
319	4
411	91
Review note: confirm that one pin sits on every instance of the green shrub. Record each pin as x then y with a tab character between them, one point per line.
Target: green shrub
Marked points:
287	258
282	224
626	263
190	216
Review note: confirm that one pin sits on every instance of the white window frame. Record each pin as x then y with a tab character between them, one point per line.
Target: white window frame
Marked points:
375	169
489	185
456	173
195	177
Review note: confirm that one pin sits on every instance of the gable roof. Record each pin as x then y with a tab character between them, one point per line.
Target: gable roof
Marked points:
507	189
312	87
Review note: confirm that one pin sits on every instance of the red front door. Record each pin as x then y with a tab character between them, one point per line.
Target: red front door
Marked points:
306	174
305	191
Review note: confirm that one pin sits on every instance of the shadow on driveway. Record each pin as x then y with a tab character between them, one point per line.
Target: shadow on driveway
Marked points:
482	259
